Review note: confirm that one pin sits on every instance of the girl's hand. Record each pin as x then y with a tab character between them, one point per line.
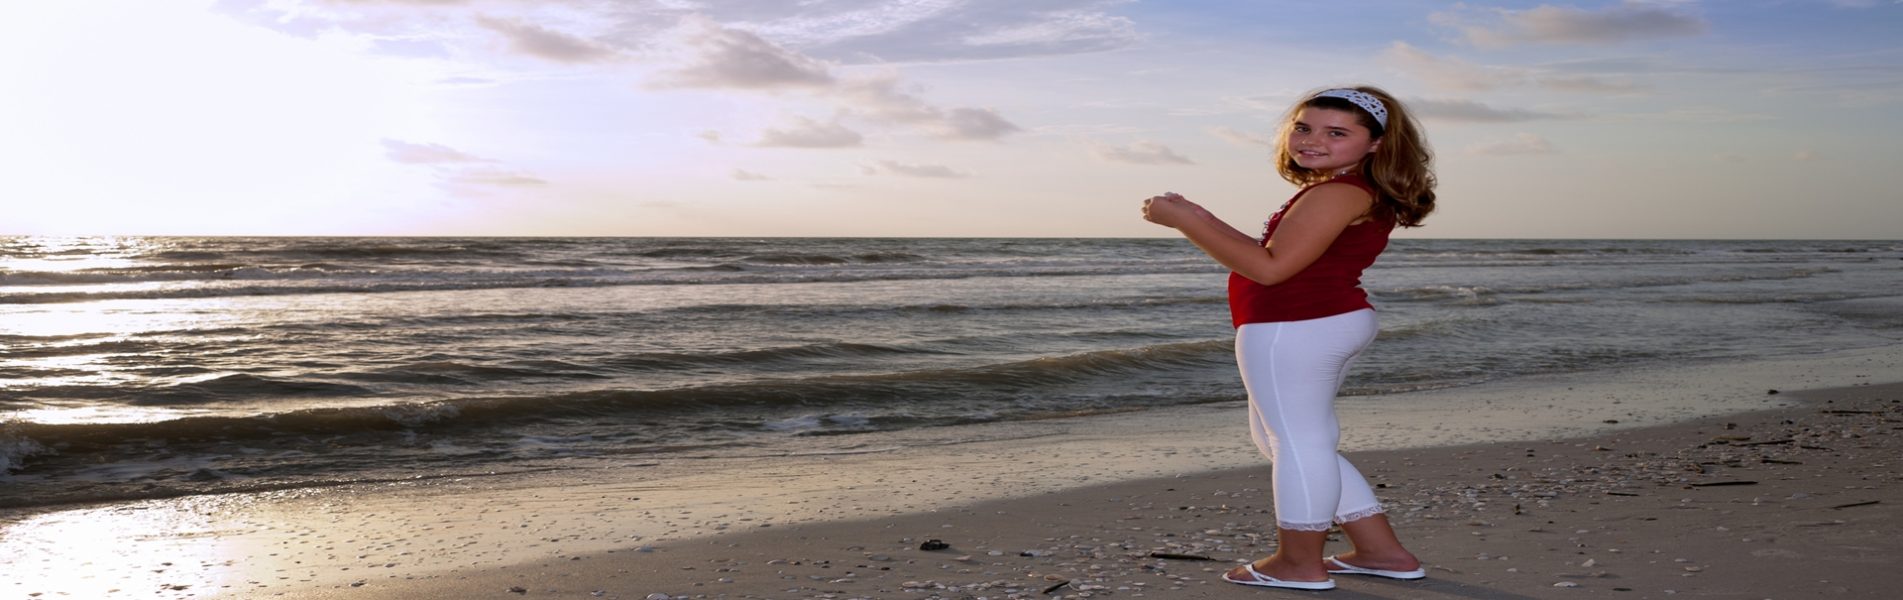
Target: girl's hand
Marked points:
1169	210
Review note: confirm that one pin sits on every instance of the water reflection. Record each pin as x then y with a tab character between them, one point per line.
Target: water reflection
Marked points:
171	549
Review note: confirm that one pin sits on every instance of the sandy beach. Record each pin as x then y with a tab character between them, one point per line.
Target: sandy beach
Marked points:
1690	481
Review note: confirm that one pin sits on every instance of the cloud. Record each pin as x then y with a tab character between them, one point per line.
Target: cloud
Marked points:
879	98
1590	84
732	58
888	31
545	43
456	168
495	177
807	133
1519	144
1549	24
1449	73
1141	153
1459	75
1805	155
426	154
1242	138
729	58
1060	29
841	31
975	124
745	175
928	171
712	137
1469	111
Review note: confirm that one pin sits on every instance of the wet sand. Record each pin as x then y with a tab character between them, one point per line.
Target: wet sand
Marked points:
1626	492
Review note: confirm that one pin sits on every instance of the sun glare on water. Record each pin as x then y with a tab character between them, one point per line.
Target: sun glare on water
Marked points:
144	550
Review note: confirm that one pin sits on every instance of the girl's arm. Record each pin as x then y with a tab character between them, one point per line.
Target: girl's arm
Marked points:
1305	232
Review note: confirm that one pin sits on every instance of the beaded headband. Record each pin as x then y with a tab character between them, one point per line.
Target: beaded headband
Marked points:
1362	99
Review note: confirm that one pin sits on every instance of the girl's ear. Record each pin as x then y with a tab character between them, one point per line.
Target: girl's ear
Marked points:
1375	145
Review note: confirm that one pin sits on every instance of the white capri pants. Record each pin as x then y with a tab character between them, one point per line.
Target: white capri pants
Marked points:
1292	371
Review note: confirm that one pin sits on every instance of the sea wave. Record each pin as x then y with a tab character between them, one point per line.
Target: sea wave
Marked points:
874	390
273	284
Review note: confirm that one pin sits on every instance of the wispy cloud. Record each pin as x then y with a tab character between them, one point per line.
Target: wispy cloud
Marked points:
458	169
426	154
927	171
724	57
1591	84
1073	28
734	59
745	175
1520	144
1452	73
1550	24
807	133
1473	112
496	177
897	31
1141	153
975	124
546	44
880	98
1449	73
1242	138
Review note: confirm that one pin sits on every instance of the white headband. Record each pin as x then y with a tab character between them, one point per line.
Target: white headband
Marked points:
1362	99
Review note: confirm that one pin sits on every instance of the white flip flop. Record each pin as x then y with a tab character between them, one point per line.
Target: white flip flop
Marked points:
1257	579
1348	569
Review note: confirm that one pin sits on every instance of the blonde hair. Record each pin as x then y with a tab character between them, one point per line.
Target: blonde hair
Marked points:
1400	169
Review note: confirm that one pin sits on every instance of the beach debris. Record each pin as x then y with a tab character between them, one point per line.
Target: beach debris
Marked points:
516	589
934	544
1724	483
659	596
1566	584
1059	586
1174	556
1857	504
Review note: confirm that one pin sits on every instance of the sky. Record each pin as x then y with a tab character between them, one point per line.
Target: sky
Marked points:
1010	118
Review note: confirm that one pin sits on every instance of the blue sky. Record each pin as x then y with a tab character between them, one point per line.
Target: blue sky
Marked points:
1666	119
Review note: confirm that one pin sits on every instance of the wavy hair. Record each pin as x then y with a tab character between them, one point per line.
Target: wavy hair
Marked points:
1401	168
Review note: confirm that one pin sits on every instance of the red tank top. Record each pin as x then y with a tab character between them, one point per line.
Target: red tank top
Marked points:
1328	287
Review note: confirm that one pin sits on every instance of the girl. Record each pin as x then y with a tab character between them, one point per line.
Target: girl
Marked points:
1301	318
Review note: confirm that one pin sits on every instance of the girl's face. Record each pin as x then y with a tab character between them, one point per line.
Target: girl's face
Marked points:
1329	140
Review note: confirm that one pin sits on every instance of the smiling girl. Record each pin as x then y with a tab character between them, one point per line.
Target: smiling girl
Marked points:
1301	318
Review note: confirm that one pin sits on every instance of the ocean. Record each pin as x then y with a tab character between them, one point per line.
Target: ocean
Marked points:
148	367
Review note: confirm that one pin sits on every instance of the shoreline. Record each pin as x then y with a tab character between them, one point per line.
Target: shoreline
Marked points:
1734	506
431	539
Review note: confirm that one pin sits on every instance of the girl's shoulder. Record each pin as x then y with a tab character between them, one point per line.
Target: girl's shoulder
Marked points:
1354	179
1339	182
